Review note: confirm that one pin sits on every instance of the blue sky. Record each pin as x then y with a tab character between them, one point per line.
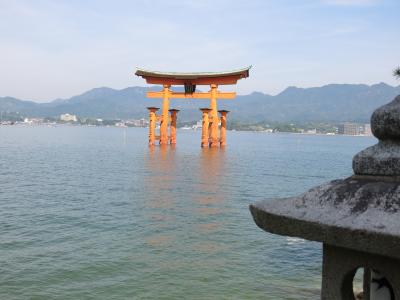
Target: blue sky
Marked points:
56	49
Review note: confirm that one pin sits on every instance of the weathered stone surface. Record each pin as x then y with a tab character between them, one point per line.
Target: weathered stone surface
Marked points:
382	159
360	213
385	121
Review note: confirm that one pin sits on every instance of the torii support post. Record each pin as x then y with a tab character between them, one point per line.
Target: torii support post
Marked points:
222	140
204	128
152	124
172	133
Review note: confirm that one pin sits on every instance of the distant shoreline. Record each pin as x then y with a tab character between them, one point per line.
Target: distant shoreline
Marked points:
54	125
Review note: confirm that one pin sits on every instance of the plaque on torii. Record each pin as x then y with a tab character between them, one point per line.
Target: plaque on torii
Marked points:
212	134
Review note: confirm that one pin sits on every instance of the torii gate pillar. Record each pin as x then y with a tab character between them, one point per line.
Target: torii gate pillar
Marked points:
223	127
205	136
152	124
214	117
172	132
164	116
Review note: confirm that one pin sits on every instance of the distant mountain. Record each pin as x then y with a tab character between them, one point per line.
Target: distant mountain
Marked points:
329	103
333	102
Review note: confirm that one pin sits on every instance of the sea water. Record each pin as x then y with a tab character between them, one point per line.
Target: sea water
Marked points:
94	213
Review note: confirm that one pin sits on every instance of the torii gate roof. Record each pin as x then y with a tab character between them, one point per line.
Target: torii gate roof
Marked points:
197	78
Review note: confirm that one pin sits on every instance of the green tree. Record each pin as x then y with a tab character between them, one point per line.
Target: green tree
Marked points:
396	73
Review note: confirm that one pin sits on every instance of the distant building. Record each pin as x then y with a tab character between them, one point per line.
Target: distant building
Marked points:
120	124
311	131
143	123
68	118
198	125
350	129
137	123
354	129
33	121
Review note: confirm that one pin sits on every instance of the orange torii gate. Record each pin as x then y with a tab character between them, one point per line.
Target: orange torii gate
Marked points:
211	137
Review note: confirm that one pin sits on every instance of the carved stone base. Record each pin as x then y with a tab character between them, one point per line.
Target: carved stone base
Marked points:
340	266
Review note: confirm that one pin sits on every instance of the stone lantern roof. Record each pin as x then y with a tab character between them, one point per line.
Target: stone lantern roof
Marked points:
361	212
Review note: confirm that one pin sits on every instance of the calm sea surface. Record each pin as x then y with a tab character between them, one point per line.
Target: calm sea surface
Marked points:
93	213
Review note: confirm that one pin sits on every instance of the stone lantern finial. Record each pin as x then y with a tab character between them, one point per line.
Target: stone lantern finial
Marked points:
382	159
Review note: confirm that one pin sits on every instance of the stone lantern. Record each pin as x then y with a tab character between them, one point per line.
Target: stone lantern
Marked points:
357	219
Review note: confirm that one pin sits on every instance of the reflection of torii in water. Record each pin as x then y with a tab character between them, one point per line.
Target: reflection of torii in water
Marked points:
211	137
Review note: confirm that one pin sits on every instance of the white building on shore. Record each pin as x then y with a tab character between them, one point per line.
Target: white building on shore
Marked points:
68	118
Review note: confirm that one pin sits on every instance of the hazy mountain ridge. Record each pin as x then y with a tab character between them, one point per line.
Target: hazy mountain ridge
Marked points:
333	103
